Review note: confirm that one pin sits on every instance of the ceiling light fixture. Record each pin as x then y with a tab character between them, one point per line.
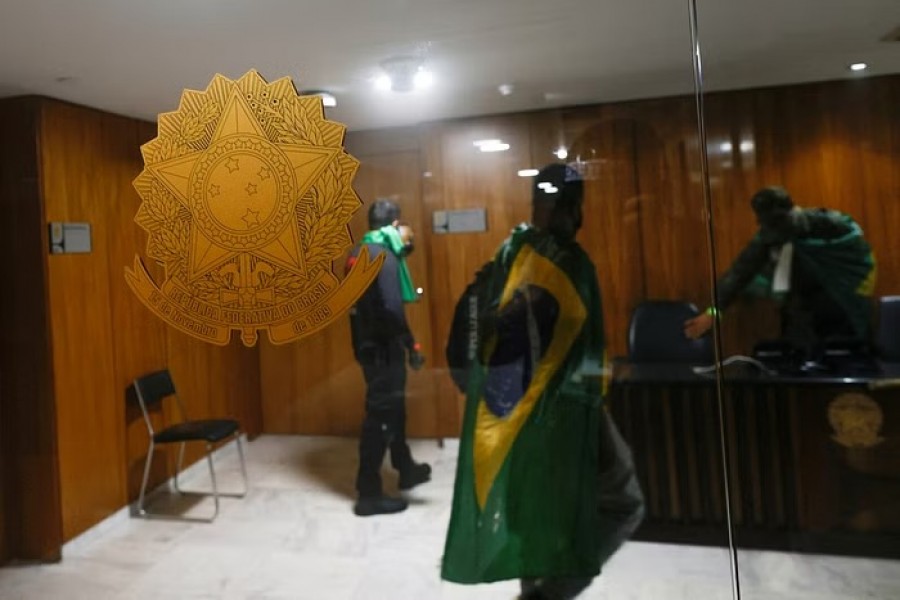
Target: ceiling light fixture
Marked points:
506	89
860	66
403	74
491	145
501	147
328	99
528	172
561	153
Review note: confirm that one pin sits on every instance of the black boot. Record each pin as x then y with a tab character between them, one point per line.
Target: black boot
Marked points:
368	506
414	475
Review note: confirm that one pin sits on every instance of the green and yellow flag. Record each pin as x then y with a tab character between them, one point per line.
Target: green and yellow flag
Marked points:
525	498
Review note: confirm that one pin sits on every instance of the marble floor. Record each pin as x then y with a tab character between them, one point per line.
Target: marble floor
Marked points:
295	537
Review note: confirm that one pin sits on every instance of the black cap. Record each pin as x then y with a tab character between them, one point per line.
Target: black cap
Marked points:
557	182
771	202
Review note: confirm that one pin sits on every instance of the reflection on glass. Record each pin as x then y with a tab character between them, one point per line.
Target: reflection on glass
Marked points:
804	196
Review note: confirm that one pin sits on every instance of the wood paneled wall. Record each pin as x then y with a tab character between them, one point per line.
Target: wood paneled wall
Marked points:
78	336
103	337
832	144
30	524
835	145
315	386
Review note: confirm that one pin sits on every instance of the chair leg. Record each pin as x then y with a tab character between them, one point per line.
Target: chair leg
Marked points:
212	476
240	448
178	467
141	510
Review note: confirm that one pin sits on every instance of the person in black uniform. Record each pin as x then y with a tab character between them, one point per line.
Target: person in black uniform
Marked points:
383	344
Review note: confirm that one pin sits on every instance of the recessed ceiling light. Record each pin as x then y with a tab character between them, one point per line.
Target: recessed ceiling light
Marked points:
860	66
747	146
492	145
499	147
382	83
528	172
403	74
561	153
505	89
725	147
423	79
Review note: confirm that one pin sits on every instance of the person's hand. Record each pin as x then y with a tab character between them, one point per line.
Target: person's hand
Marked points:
416	358
694	328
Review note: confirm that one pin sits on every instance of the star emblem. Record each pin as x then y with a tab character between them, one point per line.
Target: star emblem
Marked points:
214	190
264	173
239	132
251	218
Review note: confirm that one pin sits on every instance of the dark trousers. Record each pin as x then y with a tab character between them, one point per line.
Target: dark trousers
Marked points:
620	507
384	427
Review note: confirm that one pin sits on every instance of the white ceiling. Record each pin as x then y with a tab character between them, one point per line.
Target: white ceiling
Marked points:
134	57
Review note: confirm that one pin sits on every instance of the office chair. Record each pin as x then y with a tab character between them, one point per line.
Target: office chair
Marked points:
887	336
656	334
151	390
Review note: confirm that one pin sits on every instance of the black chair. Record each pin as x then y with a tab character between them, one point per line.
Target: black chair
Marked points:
656	335
151	390
887	337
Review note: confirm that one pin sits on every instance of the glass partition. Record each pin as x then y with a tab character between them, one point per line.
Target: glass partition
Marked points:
801	125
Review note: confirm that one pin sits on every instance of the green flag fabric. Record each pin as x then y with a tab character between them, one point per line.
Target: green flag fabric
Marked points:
525	503
846	268
389	237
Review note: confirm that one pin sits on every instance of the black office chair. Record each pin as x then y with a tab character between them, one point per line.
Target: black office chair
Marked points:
151	390
887	337
656	334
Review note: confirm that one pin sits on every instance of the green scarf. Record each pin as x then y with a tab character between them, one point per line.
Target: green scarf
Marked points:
389	237
524	503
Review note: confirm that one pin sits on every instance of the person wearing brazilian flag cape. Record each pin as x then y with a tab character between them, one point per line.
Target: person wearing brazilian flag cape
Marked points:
814	261
545	486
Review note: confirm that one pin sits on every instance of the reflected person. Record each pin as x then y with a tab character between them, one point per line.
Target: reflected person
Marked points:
383	345
545	487
815	261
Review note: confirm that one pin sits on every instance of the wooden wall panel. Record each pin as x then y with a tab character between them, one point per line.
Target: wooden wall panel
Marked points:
611	233
830	144
833	144
30	524
77	176
316	386
104	337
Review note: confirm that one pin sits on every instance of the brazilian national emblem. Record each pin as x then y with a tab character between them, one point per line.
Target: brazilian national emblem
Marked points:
246	197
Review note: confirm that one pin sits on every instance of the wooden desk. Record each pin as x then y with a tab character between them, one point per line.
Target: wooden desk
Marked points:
814	461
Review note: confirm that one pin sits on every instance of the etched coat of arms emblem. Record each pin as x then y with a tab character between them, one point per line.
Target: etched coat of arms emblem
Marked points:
246	198
856	420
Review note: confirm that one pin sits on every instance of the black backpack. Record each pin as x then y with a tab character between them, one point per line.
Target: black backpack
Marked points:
463	342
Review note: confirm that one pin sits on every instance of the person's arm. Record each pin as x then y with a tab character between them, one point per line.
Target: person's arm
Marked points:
749	262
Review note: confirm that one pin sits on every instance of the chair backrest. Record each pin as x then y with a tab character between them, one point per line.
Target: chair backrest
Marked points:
153	387
656	334
887	337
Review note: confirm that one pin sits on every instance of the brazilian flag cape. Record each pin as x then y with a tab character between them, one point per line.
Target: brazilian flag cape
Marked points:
524	503
846	268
